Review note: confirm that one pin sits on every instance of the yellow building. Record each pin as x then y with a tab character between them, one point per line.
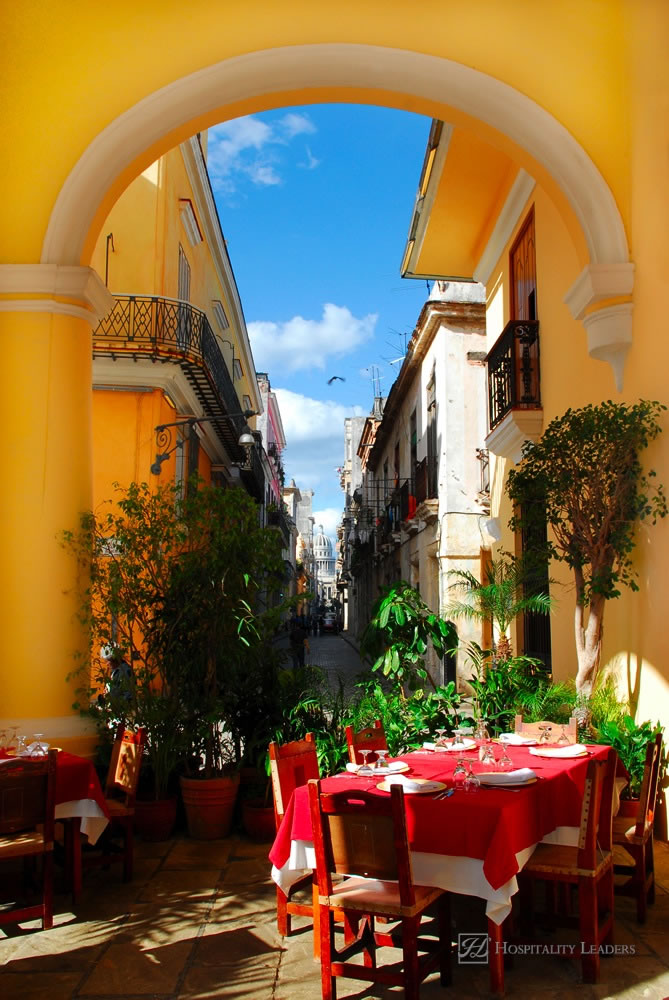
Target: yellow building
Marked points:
561	106
175	343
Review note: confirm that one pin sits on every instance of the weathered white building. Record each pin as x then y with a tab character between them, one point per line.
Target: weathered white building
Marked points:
423	505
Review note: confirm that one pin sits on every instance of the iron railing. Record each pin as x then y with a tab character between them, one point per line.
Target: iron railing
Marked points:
513	370
425	476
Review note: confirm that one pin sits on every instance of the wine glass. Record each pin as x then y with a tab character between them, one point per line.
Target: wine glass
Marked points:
21	746
471	782
39	750
14	739
365	768
441	733
546	731
487	754
3	739
505	761
381	762
459	773
563	739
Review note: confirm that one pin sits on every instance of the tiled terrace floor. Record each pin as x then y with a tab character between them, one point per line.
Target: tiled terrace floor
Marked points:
198	921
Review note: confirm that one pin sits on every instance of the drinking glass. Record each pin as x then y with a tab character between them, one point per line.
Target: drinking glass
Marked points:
471	782
365	768
3	739
440	737
545	733
14	739
381	762
39	750
563	738
21	746
487	754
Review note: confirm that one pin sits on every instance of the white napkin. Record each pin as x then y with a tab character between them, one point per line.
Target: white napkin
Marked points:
408	784
517	777
574	750
516	739
393	765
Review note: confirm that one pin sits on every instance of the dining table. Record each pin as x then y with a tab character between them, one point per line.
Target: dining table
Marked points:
469	842
80	805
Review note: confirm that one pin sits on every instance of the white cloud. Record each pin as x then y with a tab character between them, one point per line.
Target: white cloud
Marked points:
248	148
307	420
329	517
311	161
303	343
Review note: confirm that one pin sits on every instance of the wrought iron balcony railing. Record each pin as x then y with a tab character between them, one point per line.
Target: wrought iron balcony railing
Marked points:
513	371
170	330
426	480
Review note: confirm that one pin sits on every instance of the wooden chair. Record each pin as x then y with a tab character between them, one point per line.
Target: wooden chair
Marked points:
120	793
534	729
588	867
361	834
372	738
291	765
27	803
636	838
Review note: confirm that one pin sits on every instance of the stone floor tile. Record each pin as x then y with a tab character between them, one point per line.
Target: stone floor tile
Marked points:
129	968
38	986
246	979
247	871
177	886
256	905
201	854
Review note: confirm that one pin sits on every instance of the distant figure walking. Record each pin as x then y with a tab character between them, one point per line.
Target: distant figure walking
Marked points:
298	642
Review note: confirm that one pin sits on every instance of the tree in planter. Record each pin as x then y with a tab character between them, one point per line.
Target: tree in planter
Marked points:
124	552
584	475
497	599
398	634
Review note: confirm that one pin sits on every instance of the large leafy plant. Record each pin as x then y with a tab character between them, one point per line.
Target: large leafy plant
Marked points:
399	633
629	739
585	477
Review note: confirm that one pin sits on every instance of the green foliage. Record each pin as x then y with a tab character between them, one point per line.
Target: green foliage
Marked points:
171	583
585	475
630	740
499	686
398	635
499	597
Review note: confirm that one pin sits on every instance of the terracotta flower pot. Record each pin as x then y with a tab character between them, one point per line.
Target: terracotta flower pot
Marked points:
258	819
209	805
155	818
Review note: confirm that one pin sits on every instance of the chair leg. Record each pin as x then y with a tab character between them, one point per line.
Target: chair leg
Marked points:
316	911
282	915
496	957
326	934
588	909
410	957
47	875
444	918
650	868
640	882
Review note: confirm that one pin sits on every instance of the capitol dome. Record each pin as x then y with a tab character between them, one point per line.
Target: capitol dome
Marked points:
322	545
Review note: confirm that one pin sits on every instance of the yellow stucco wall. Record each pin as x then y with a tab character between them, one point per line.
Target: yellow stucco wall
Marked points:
70	70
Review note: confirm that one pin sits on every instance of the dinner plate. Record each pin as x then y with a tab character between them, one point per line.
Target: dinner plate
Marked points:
394	767
560	753
454	747
503	784
426	786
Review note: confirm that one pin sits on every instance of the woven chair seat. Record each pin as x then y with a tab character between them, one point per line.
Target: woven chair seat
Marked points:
22	844
560	859
371	895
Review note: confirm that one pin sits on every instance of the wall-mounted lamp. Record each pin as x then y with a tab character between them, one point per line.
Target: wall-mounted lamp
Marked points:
164	437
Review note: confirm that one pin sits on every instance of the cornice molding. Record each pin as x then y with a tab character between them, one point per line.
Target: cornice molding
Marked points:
597	282
92	299
507	220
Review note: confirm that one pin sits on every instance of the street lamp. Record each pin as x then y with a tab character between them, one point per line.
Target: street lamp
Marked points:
164	437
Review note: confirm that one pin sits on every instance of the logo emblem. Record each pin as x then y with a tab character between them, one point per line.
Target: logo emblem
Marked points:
473	949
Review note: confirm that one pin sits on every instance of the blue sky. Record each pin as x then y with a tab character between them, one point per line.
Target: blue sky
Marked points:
315	205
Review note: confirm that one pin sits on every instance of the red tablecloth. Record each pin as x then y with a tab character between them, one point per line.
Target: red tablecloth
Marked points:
491	824
76	779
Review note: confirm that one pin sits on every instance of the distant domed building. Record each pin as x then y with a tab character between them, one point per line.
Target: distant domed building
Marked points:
324	560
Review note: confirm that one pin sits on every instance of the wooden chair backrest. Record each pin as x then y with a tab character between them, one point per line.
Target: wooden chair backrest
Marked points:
356	833
28	794
291	765
595	832
533	729
648	792
125	764
371	738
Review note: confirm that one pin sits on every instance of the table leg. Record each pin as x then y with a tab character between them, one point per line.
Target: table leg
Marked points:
72	829
496	957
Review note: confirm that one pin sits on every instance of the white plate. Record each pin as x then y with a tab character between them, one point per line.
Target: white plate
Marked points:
426	786
560	753
483	778
394	767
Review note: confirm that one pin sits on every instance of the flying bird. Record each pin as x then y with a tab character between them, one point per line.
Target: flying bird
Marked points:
335	378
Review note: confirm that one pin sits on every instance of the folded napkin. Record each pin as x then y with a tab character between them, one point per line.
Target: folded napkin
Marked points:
408	784
516	739
517	777
573	750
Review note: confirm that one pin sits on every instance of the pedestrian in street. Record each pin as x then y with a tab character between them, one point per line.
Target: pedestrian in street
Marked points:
298	643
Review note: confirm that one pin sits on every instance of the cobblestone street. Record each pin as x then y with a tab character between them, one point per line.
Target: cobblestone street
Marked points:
337	655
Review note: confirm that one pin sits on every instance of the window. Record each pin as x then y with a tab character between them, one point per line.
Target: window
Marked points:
523	272
432	436
220	315
183	291
237	372
184	315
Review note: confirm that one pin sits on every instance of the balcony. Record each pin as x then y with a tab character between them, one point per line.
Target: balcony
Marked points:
168	330
279	519
426	480
514	397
